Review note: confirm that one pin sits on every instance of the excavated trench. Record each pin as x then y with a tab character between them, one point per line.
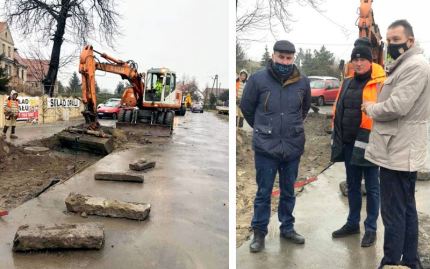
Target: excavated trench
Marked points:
25	174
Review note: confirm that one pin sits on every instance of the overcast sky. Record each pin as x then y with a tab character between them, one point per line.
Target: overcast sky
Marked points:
310	30
187	36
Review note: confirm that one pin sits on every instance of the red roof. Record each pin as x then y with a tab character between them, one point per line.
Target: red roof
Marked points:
36	69
3	26
18	58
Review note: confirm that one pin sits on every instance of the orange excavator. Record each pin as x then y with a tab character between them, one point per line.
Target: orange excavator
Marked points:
367	28
152	106
149	104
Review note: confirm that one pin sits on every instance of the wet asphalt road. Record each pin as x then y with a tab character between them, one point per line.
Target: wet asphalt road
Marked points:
188	191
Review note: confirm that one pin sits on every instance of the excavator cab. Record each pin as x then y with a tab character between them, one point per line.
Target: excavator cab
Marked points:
160	85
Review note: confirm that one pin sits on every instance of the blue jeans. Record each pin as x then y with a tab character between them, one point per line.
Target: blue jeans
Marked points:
399	215
266	172
354	175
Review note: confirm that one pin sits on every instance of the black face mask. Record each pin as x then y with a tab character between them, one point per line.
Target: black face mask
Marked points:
393	50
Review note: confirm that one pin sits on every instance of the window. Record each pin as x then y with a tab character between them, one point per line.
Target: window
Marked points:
317	84
155	83
22	74
336	83
4	48
8	52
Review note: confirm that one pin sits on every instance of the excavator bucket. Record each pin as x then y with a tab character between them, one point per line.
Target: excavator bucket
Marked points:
146	129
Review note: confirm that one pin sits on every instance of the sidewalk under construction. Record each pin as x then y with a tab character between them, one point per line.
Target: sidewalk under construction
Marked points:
179	233
319	211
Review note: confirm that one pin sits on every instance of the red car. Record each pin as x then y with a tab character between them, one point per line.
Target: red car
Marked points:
110	109
324	89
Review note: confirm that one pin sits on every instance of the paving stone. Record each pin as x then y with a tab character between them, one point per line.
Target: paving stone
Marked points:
118	177
76	202
59	236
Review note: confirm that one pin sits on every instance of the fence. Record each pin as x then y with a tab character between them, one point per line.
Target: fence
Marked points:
44	109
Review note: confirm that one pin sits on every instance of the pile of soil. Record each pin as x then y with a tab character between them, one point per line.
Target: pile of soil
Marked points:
315	159
24	174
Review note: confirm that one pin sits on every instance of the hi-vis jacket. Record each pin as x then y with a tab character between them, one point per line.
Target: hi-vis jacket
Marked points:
11	107
370	94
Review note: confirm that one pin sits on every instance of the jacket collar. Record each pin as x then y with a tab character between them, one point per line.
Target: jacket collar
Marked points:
295	76
377	75
393	65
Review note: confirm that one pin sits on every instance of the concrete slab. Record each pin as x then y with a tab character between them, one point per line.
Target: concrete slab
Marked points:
100	206
319	211
188	226
109	176
59	237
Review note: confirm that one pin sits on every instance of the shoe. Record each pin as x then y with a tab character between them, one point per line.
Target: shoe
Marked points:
369	239
294	237
12	136
257	243
345	231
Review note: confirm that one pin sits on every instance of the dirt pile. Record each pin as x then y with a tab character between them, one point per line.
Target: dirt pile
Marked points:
315	159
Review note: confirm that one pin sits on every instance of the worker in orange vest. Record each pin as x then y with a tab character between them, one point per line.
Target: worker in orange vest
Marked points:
11	109
240	86
351	130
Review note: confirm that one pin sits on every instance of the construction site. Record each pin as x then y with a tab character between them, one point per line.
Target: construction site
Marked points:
97	177
322	204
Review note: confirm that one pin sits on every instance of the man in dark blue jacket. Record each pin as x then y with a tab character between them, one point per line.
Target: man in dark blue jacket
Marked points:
275	102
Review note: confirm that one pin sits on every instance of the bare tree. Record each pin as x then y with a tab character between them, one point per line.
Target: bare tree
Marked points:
56	19
266	14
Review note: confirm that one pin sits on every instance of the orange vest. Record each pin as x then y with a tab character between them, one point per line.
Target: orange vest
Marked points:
370	94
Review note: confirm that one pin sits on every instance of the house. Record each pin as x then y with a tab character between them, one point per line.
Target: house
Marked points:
26	74
10	60
36	72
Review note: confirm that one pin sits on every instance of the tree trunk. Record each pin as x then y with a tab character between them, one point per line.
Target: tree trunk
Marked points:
51	76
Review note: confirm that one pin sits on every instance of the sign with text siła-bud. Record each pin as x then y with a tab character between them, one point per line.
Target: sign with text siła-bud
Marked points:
63	102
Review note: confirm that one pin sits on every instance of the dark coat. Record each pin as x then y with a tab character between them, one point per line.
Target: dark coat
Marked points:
276	110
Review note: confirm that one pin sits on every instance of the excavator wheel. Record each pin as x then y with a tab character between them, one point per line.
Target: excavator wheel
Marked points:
170	115
121	115
127	116
160	117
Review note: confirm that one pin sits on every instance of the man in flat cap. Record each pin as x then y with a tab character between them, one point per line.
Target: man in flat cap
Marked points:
351	130
275	102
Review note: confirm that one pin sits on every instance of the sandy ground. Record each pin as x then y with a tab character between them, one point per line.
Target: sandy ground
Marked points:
23	174
315	159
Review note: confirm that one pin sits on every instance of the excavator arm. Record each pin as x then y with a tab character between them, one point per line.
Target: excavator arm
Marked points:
368	28
127	70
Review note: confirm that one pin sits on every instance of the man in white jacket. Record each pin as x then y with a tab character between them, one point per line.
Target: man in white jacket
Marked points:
398	142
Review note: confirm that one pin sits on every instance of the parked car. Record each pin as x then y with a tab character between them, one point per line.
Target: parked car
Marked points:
197	107
110	108
324	89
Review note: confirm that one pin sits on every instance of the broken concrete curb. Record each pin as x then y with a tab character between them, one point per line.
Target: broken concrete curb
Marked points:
118	177
423	176
59	236
79	203
141	165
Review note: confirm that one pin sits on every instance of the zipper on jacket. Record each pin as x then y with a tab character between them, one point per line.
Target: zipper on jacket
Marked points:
265	102
280	112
